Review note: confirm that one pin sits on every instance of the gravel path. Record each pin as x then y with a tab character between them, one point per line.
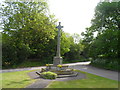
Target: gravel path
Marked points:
42	83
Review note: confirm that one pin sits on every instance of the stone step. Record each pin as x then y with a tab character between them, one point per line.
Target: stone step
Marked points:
70	75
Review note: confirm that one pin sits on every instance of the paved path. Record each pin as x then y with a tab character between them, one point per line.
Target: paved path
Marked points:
97	71
83	66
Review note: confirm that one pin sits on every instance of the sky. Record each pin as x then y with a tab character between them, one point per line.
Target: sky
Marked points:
74	15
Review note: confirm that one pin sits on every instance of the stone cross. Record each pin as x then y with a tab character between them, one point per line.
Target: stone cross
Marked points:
58	39
58	59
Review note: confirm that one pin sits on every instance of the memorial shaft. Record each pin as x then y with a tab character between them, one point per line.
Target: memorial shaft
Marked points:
58	43
58	58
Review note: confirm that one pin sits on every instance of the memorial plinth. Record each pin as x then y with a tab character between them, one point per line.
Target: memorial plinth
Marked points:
57	60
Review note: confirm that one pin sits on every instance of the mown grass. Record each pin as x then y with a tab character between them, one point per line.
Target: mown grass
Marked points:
0	81
18	79
92	81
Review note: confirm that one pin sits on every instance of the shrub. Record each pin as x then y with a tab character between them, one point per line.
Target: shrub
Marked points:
48	75
111	64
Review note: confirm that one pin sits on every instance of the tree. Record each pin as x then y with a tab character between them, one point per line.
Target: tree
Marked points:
75	48
65	43
87	41
106	17
106	23
27	30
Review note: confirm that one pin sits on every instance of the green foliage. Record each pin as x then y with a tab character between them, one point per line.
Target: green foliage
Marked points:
13	52
106	64
28	31
100	45
48	75
28	63
106	26
65	43
76	49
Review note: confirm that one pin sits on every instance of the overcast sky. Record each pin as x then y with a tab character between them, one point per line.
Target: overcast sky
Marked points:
74	15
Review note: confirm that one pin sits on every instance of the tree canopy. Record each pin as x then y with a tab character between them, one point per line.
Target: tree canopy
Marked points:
106	23
27	30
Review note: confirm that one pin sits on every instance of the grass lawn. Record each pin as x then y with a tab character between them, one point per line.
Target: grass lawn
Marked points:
0	81
18	79
92	81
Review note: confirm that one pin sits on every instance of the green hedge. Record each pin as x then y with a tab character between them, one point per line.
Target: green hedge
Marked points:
49	75
110	64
